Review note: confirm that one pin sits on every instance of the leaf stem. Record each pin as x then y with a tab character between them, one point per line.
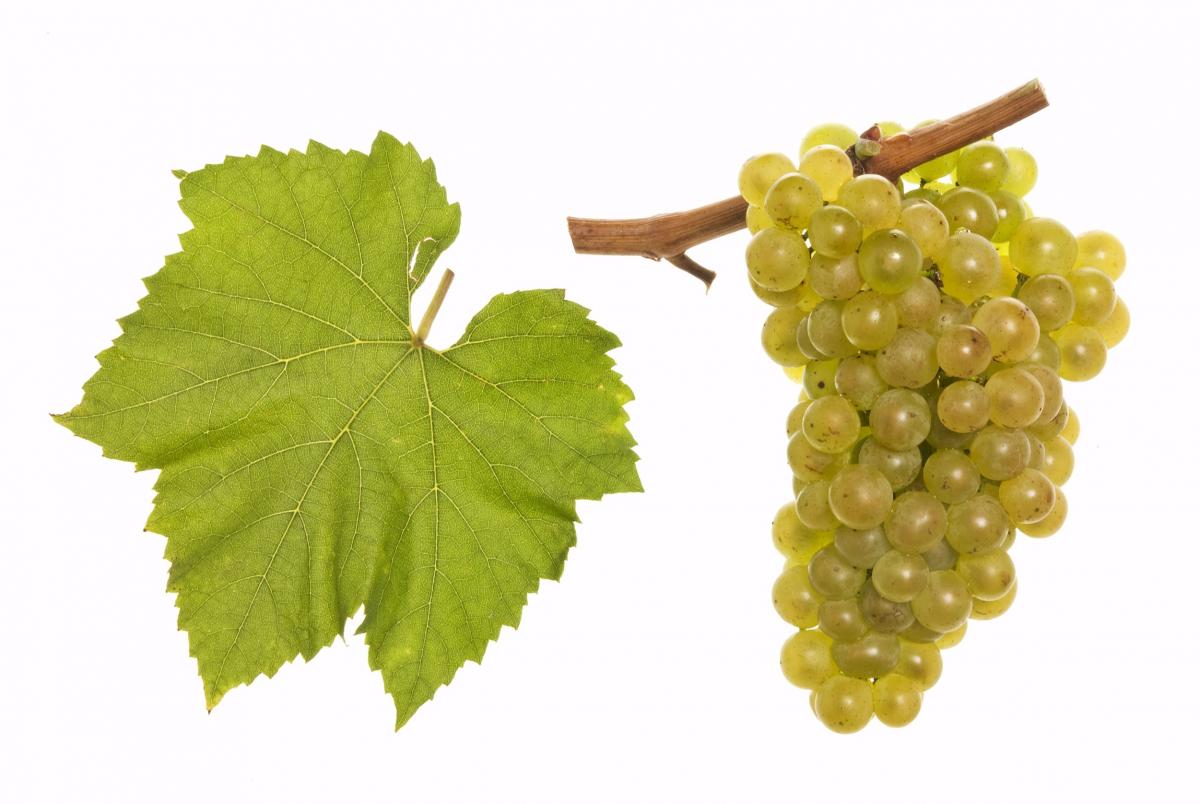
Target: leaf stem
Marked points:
435	304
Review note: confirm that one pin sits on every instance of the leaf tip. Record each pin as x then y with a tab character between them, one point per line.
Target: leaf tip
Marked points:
179	173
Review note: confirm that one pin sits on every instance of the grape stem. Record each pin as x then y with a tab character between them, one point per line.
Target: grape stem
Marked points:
669	236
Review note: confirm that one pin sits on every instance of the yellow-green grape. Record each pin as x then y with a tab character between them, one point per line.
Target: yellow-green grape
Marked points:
831	424
1101	250
1052	427
1051	298
976	525
777	258
1011	328
983	166
881	614
835	134
920	662
833	576
1000	454
963	351
1037	452
1070	430
825	330
795	599
818	378
889	128
807	462
829	167
964	407
807	660
842	619
969	265
869	656
812	507
942	437
860	496
970	209
1095	295
1046	353
758	173
757	219
918	305
858	381
899	466
941	556
1042	246
1010	211
926	225
1059	462
951	638
910	360
834	277
796	416
935	168
1015	398
844	704
900	419
897	700
779	336
1052	390
1114	328
1052	522
861	548
989	575
950	476
792	200
870	320
889	261
806	346
916	523
1022	172
834	232
1083	352
1028	497
792	539
798	296
899	576
1009	278
873	200
990	609
951	313
945	602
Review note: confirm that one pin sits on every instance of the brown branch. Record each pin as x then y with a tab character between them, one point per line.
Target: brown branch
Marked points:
668	236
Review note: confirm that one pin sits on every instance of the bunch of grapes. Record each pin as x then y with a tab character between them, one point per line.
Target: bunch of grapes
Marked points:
931	322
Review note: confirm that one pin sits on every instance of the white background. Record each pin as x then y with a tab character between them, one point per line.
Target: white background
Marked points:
650	672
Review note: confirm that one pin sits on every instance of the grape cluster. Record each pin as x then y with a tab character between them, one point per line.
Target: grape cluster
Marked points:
931	322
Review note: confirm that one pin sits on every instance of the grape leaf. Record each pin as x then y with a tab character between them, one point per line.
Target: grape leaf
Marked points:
315	458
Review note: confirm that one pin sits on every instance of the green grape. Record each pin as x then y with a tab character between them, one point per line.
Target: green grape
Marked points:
835	134
796	415
1101	250
792	200
927	193
873	200
792	539
796	601
983	166
920	662
942	437
889	260
1070	429
963	407
1051	298
807	659
829	167
1011	328
818	378
926	225
1000	454
858	381
1052	390
1114	328
1083	352
869	320
777	258
825	330
809	463
970	209
881	614
951	313
951	476
861	548
833	277
757	219
916	522
1095	295
812	507
897	700
1015	398
1052	427
1049	525
1059	462
1009	278
941	556
834	232
969	265
806	346
842	619
910	360
860	496
990	609
899	576
918	305
976	525
1022	172
989	575
951	638
900	419
792	297
963	351
1028	497
831	424
1046	353
945	602
1010	211
869	656
1042	246
779	336
1037	454
758	173
833	576
900	467
939	167
844	704
919	634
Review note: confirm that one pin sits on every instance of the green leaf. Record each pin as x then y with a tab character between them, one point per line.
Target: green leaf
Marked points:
314	459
